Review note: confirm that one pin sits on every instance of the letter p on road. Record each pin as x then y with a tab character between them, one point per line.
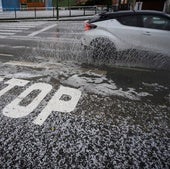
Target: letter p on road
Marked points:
58	104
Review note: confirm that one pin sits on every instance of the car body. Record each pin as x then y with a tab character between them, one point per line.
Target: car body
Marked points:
146	30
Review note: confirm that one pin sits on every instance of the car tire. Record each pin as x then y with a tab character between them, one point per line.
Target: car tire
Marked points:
103	50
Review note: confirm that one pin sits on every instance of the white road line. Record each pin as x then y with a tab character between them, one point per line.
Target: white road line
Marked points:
15	28
4	30
2	46
24	64
46	39
20	47
42	30
22	24
18	26
1	79
6	33
4	54
33	65
2	36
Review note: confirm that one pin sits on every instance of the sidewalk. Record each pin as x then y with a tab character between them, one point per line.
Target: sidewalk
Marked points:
47	14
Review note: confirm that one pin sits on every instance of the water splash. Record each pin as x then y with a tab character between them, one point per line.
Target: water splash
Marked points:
100	85
132	58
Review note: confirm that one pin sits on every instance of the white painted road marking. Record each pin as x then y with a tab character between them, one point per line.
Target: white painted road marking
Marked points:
33	65
57	104
4	54
15	28
11	29
11	84
2	36
1	79
42	30
6	33
6	30
64	100
25	64
15	110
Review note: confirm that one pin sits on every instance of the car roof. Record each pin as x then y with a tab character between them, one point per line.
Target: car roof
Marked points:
112	15
129	12
134	11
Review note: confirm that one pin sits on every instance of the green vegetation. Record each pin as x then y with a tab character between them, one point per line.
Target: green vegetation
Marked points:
65	3
99	2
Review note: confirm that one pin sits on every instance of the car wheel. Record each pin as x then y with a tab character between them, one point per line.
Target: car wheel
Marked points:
103	50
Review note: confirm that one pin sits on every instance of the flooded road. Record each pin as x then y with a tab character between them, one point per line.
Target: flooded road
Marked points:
120	121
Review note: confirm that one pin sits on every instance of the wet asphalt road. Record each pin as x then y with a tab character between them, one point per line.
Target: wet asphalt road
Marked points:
121	120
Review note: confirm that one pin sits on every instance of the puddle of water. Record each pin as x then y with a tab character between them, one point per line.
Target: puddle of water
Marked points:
100	85
156	83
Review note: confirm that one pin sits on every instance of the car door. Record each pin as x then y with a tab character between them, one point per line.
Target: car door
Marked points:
156	33
128	30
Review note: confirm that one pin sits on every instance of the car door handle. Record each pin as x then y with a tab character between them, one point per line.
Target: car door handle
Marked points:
147	33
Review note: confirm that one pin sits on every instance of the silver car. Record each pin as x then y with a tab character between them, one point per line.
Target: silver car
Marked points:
110	32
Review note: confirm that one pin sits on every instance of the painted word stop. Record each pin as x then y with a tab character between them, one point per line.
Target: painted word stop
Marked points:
64	100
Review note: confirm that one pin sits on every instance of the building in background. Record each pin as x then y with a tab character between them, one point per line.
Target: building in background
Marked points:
0	5
123	4
32	3
8	5
161	5
48	3
115	5
167	6
83	2
151	4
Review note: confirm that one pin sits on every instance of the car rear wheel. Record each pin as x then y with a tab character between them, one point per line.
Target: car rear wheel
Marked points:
103	50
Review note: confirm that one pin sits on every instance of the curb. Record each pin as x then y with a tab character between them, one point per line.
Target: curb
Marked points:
75	18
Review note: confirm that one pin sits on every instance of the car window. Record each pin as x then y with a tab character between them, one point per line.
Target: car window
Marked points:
128	20
156	22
